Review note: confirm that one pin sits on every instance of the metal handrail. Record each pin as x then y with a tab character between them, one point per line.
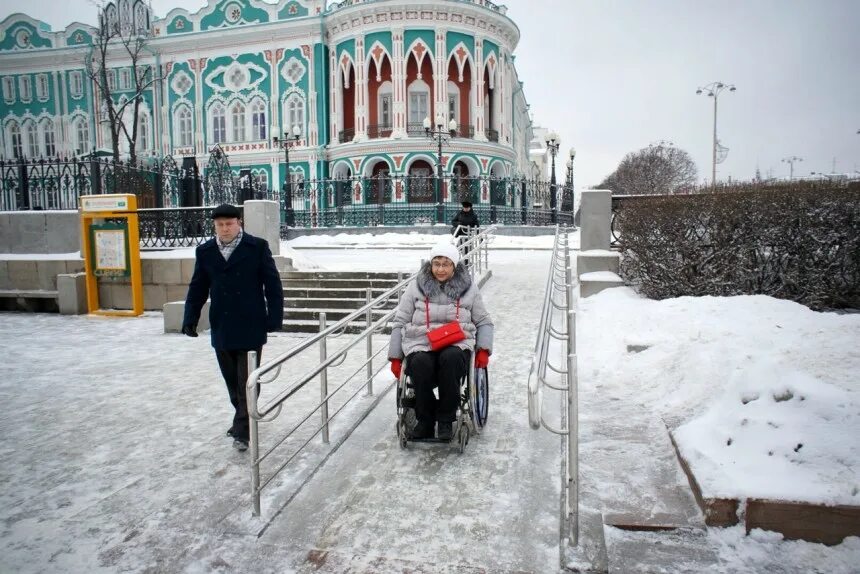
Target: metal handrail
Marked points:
559	281
257	412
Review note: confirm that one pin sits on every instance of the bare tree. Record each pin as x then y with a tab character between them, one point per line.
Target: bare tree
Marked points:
660	168
125	43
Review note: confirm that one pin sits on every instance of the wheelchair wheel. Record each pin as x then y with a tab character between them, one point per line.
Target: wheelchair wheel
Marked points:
482	397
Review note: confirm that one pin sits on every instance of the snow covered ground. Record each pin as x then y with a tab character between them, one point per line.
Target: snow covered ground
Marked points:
115	459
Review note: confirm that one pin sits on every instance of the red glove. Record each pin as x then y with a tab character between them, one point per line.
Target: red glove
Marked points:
482	358
396	365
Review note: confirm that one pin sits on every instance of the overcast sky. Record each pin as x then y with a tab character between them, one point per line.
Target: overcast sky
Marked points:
612	76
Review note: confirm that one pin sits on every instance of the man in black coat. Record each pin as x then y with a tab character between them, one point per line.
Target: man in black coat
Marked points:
237	272
465	218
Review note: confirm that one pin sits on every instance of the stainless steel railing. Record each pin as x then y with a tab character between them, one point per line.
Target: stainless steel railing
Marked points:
270	371
559	309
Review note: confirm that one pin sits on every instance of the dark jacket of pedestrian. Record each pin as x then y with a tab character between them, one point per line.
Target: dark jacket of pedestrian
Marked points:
247	299
466	219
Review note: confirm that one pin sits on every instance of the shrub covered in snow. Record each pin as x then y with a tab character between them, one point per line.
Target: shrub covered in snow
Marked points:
799	242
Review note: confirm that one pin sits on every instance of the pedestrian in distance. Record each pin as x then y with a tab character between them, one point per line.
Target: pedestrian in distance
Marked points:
443	292
463	225
237	272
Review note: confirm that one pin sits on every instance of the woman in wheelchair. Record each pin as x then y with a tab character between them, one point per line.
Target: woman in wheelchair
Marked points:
441	298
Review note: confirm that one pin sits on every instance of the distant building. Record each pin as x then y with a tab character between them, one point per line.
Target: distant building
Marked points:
358	79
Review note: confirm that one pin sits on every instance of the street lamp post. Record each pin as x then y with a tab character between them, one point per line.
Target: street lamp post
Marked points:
440	136
290	137
552	144
572	195
713	91
790	160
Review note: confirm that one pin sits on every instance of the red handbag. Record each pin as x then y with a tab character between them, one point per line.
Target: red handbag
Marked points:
447	334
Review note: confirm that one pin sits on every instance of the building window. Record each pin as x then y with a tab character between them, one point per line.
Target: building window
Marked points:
219	124
258	120
111	80
9	89
141	18
76	84
82	135
42	87
49	138
295	113
25	89
32	136
262	178
143	132
15	140
419	98
125	79
453	102
237	115
183	126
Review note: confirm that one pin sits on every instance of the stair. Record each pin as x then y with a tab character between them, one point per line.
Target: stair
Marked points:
335	293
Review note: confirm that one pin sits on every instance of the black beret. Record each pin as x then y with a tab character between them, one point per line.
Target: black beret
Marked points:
226	210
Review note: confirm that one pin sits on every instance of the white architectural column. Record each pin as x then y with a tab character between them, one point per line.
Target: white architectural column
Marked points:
360	91
478	82
398	80
440	78
313	124
199	112
335	96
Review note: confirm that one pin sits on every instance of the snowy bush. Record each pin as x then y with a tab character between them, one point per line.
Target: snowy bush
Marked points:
799	242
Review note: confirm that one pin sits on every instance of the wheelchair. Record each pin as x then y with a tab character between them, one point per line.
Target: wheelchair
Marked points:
471	413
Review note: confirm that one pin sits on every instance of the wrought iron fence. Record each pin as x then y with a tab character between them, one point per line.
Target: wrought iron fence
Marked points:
176	227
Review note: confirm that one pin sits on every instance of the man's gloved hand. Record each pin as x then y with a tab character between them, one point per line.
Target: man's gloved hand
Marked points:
189	330
482	358
396	365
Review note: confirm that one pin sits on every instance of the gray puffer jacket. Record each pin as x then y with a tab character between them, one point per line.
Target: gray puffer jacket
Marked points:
409	327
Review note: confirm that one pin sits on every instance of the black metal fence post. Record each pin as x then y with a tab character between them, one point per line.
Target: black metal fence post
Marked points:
23	186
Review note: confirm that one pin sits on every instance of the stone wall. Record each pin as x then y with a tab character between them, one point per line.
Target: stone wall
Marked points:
40	232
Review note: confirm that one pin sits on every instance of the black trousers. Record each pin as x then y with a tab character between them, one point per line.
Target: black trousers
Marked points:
442	369
234	369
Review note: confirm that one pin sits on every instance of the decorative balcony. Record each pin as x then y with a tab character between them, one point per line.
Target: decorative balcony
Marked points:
346	135
379	131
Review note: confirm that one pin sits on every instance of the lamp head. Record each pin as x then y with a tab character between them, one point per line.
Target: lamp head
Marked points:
572	154
427	124
699	92
440	121
297	131
452	125
732	89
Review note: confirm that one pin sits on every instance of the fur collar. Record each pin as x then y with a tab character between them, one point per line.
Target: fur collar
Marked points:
454	288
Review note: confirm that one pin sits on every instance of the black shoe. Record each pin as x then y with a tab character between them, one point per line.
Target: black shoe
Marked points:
240	445
230	431
423	429
446	431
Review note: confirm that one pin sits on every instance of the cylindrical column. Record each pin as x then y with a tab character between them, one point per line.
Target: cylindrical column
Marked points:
714	151
324	382
369	318
251	397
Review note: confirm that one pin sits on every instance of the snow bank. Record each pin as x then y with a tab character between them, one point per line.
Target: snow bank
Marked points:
761	393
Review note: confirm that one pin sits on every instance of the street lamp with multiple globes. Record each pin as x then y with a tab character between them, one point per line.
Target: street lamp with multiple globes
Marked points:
790	160
552	144
572	202
440	136
713	91
291	137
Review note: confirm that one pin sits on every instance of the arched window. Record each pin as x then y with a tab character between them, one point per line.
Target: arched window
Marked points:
49	138
295	113
453	102
258	120
183	127
141	18
385	105
237	115
32	137
219	123
17	144
418	102
144	133
82	135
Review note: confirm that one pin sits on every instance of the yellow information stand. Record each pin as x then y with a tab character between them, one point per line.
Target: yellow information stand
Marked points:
109	226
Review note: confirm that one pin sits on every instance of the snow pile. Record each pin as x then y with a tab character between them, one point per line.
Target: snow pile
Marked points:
761	394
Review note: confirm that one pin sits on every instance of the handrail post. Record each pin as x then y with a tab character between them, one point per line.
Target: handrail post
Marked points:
572	411
324	382
254	436
369	317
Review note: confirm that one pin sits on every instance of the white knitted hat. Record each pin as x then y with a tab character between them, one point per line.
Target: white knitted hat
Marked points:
445	249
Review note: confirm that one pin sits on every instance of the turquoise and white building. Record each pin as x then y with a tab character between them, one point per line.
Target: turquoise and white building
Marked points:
358	78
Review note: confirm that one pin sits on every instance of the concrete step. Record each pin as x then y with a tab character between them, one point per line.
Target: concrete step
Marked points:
328	283
329	303
324	293
339	275
306	326
332	315
596	281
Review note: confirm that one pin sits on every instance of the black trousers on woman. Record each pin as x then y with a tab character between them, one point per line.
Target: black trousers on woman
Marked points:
442	369
234	369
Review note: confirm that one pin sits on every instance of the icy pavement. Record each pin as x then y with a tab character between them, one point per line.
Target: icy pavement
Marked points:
115	459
